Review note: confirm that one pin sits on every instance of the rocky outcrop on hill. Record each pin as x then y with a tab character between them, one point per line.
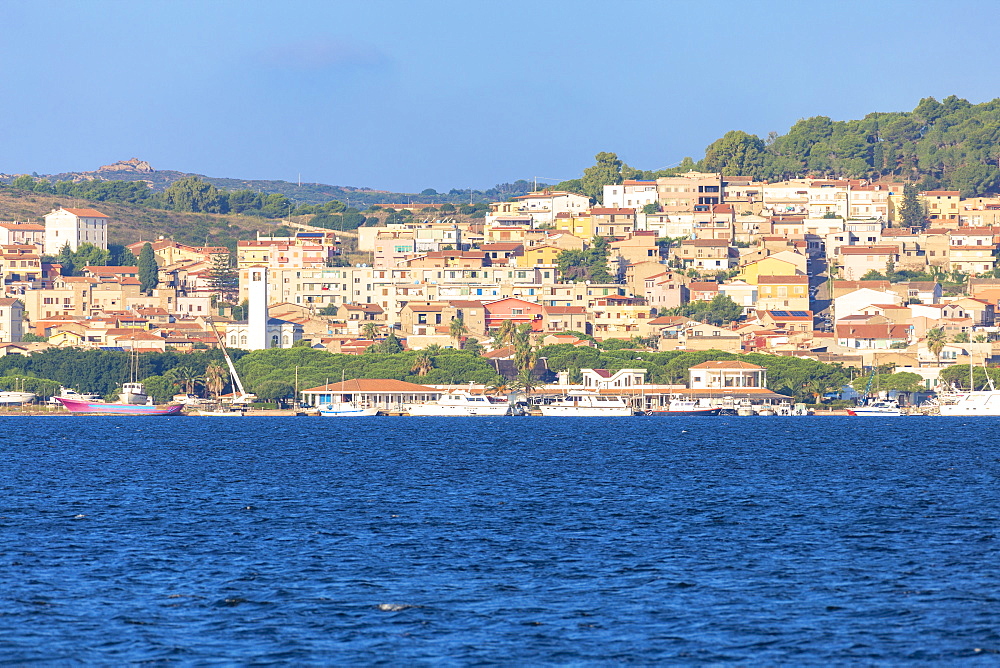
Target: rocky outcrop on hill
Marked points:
132	165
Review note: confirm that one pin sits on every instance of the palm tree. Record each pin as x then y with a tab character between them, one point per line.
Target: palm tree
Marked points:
456	330
525	353
369	331
525	382
935	341
422	364
504	335
215	378
186	378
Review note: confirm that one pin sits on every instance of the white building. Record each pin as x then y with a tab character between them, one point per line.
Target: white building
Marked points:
541	207
11	320
630	195
75	227
24	234
724	375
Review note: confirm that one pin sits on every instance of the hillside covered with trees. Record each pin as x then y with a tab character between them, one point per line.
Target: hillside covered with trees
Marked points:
951	144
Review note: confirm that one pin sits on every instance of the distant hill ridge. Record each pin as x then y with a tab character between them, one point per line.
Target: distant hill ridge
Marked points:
135	169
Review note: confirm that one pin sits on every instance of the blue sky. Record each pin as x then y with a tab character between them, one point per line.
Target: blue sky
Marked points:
403	95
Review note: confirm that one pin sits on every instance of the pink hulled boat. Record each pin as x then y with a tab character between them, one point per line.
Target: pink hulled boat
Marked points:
103	408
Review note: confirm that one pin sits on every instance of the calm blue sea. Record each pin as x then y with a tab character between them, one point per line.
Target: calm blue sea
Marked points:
516	541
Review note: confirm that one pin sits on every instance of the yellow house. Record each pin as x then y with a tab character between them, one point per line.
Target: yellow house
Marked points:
66	339
579	226
783	293
942	204
542	254
768	266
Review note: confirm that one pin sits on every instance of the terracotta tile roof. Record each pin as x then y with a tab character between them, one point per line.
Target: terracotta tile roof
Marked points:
374	385
32	227
609	212
869	250
86	213
705	242
780	280
726	364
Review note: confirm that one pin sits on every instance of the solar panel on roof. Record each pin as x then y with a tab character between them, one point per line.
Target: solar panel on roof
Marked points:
780	314
800	314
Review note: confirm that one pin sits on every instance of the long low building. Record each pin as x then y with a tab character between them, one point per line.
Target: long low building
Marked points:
384	394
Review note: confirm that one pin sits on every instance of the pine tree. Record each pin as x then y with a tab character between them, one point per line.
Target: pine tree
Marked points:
911	211
223	278
149	275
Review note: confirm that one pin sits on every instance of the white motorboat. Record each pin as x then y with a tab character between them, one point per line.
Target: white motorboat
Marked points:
15	397
461	403
876	409
69	393
345	409
219	412
582	404
679	406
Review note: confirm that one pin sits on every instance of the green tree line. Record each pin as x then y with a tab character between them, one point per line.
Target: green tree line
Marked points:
951	144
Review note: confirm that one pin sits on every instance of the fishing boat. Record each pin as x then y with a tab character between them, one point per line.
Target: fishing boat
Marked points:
133	399
133	393
461	403
679	406
106	408
583	404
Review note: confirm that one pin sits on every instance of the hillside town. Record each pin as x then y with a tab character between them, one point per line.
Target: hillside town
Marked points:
812	268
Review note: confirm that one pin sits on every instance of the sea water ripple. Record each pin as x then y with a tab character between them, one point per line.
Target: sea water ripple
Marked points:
506	541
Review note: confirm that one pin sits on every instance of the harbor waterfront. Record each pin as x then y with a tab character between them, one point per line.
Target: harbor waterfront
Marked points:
689	540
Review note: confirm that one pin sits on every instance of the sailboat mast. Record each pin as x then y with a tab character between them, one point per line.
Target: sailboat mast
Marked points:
229	361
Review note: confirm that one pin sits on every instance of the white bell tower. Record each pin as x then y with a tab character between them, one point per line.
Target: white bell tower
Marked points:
257	316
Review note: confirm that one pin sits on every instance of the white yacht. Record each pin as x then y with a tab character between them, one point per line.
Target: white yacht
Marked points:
970	403
461	403
876	409
682	406
978	402
345	409
70	393
16	397
583	404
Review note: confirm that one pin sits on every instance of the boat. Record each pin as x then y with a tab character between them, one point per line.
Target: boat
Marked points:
346	409
972	403
133	398
678	406
133	393
15	397
461	403
583	404
876	409
220	412
69	393
105	408
241	402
